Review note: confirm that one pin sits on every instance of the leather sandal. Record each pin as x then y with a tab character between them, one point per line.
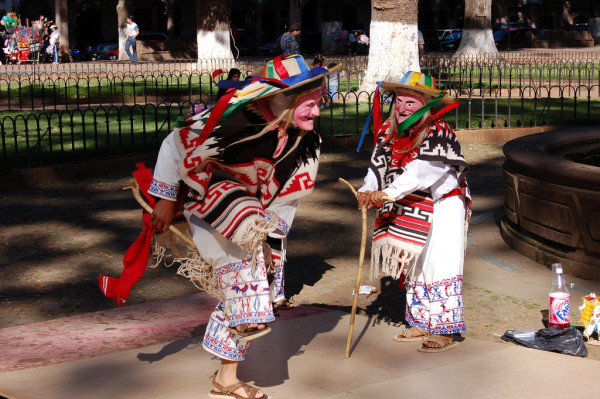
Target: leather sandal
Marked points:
407	334
445	343
248	335
228	391
284	304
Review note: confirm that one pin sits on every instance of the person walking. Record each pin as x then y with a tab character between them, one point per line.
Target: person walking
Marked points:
132	32
353	43
289	44
334	82
54	42
419	234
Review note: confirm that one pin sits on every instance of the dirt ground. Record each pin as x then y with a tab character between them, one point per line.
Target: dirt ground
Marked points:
57	238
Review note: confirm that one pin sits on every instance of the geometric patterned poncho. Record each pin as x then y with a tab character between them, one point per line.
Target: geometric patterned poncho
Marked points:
402	227
234	174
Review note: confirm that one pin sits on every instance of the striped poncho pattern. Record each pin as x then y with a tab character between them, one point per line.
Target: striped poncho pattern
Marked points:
402	227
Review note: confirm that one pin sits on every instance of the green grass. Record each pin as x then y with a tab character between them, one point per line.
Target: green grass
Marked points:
36	138
349	119
101	89
39	138
584	70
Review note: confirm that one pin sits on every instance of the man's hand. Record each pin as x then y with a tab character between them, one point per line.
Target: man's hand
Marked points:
364	199
163	214
369	199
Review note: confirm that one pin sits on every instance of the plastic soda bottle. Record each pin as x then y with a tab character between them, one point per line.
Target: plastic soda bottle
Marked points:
559	309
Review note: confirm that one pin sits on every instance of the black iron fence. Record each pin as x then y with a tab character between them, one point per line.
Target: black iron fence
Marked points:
85	85
60	116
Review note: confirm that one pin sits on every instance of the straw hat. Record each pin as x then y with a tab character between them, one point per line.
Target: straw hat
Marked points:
418	82
289	76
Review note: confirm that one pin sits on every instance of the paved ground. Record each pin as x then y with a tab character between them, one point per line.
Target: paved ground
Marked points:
57	238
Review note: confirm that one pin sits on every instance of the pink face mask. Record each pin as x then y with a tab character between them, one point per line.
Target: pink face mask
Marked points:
406	105
307	108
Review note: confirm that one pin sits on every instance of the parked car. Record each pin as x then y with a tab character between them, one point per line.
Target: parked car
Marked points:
267	48
82	51
152	37
102	48
432	41
451	41
514	37
110	55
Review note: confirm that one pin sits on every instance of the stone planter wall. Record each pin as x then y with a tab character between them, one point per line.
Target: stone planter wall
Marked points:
552	205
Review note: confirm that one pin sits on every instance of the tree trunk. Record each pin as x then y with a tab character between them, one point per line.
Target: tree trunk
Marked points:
212	29
170	22
477	36
393	49
122	14
62	22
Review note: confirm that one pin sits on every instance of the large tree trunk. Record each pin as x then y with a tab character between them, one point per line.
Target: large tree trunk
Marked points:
477	38
212	29
170	22
394	44
62	22
122	13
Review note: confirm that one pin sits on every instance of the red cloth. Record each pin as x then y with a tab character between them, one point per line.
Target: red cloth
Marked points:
136	257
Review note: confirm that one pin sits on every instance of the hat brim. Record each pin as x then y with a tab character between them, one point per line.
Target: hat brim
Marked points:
308	80
427	91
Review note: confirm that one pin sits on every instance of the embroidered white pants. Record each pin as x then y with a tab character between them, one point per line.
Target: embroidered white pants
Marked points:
247	296
434	294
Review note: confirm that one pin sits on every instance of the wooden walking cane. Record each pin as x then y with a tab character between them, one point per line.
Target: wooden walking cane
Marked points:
135	189
361	259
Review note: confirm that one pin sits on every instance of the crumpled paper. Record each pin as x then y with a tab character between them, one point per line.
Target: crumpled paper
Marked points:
366	290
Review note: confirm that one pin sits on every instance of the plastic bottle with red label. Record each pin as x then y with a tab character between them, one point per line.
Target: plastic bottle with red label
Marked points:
559	308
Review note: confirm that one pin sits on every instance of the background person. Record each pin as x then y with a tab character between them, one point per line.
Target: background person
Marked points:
288	42
334	82
420	236
53	44
233	76
421	44
353	43
132	32
363	43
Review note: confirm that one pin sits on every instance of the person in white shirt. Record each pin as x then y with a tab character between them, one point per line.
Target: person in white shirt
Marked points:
54	43
132	32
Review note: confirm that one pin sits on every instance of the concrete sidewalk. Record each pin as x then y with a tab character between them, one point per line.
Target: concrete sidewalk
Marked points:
154	349
310	363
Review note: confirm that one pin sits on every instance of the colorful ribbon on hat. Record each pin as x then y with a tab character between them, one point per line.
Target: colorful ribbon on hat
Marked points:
364	131
408	121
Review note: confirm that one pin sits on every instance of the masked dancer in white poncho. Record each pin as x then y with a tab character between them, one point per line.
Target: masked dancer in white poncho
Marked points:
420	238
245	163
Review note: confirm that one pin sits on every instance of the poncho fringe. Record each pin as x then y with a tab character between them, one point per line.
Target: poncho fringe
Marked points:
249	236
393	261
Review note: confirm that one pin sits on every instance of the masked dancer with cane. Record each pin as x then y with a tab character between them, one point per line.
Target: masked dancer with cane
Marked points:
244	164
420	238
